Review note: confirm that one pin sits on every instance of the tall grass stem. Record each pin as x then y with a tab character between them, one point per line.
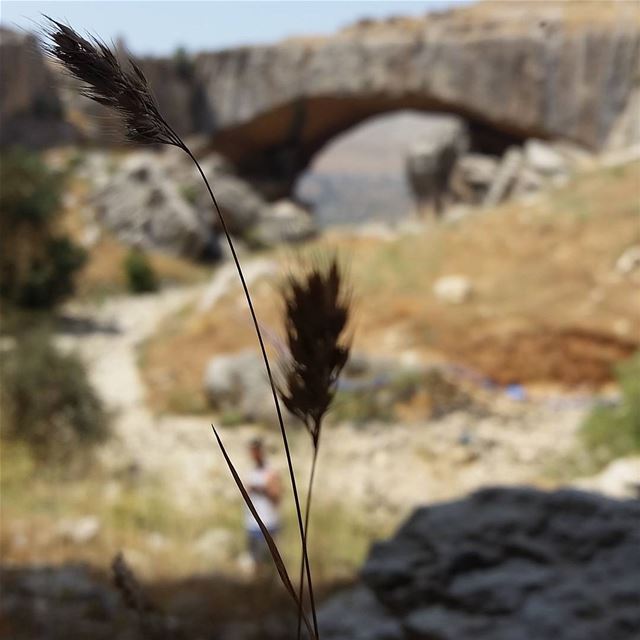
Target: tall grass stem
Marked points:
274	393
304	562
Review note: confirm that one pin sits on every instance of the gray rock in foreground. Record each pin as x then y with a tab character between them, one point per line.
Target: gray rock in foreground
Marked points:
503	564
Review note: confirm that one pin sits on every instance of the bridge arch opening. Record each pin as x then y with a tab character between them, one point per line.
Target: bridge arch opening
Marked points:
274	148
360	175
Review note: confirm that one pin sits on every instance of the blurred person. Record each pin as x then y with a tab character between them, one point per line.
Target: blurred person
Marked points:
265	490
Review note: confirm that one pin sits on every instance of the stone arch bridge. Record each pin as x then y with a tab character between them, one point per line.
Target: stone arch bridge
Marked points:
547	72
270	109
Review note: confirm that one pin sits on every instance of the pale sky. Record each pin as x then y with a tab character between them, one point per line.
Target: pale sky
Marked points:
160	27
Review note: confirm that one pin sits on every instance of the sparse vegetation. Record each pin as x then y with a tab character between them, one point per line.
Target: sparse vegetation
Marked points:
232	418
401	396
47	400
141	277
37	262
104	274
614	431
132	514
535	267
309	388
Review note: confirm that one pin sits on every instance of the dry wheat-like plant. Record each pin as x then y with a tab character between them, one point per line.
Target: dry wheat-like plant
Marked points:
317	306
316	315
105	81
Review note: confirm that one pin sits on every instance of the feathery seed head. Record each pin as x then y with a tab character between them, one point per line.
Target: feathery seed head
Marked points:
108	83
316	316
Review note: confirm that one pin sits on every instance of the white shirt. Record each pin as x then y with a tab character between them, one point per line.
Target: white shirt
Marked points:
265	507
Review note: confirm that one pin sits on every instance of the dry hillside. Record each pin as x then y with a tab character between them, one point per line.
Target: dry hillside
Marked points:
548	304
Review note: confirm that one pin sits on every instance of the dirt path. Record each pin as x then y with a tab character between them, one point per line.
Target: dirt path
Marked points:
107	336
440	459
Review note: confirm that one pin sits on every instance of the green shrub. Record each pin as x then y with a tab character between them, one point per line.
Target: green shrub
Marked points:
30	191
47	401
37	264
613	432
49	278
141	278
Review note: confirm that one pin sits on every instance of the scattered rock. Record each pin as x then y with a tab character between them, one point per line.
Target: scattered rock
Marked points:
159	200
543	158
283	222
501	564
620	479
453	289
472	177
504	178
527	182
237	385
621	157
629	261
143	206
240	204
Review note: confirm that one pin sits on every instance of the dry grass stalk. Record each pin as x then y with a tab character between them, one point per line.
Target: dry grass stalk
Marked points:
273	548
108	83
128	92
316	316
316	306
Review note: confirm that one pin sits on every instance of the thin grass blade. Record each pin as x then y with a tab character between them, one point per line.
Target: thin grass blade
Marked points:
273	549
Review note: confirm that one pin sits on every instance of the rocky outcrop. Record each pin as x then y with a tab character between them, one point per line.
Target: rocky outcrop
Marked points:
144	207
430	162
158	200
501	564
240	204
236	385
481	179
283	222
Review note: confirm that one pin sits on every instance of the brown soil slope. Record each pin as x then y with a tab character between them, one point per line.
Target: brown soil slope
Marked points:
548	304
